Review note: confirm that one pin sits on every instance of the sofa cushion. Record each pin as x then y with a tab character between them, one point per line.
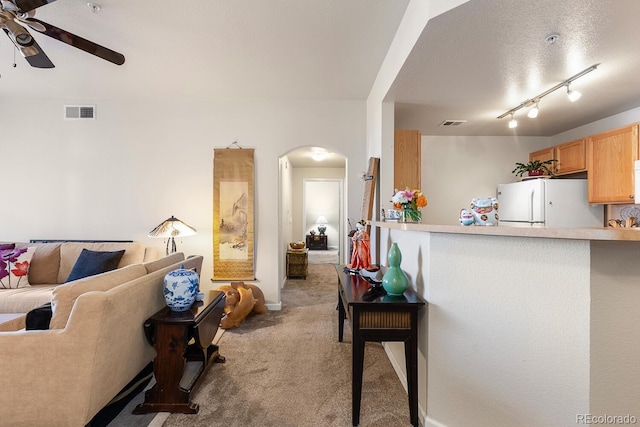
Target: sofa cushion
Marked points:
90	263
70	251
24	299
14	267
64	296
161	263
45	264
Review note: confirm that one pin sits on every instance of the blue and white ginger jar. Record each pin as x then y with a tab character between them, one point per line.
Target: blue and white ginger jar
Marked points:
180	288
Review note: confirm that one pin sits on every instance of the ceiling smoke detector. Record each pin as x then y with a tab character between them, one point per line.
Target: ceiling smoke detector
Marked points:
552	38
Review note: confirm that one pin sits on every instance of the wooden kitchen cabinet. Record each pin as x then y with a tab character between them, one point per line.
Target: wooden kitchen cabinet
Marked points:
407	171
542	155
571	157
610	163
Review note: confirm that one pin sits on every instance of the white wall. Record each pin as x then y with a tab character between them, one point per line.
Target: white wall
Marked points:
613	122
299	176
286	210
497	351
142	161
455	169
322	197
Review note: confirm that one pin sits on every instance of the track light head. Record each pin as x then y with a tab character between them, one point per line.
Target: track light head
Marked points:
513	123
533	112
573	95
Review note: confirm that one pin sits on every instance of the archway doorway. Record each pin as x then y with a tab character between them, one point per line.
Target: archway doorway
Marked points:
297	167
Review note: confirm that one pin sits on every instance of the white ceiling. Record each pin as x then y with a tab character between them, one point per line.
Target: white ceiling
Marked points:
288	49
485	57
471	63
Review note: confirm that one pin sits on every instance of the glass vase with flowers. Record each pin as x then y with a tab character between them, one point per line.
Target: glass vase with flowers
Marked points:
409	202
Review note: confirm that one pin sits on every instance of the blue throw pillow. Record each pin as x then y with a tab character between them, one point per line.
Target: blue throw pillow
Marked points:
90	263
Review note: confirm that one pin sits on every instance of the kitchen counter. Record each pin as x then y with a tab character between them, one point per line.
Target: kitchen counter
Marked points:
543	321
596	233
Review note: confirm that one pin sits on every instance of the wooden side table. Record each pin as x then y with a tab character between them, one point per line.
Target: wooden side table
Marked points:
297	260
388	318
183	341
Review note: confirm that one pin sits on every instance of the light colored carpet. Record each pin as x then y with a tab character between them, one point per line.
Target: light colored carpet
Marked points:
287	369
329	256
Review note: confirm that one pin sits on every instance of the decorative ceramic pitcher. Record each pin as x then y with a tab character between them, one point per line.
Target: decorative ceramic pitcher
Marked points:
485	211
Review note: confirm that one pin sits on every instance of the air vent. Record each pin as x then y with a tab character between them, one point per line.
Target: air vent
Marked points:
79	112
450	123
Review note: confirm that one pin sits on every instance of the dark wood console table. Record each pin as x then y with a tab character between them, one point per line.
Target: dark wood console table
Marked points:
184	352
388	318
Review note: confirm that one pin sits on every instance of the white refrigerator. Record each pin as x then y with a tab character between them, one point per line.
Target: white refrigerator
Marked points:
544	202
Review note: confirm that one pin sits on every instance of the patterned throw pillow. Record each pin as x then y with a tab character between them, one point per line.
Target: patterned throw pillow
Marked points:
14	267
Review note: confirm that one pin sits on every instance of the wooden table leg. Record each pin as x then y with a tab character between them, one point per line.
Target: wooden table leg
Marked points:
356	377
341	317
411	360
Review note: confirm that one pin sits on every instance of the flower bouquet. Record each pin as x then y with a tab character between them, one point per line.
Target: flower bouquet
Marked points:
409	202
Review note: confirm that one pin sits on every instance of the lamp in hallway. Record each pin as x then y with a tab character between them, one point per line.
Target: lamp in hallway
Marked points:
322	224
171	228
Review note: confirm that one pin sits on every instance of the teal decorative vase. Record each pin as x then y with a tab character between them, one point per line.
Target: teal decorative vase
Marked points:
394	281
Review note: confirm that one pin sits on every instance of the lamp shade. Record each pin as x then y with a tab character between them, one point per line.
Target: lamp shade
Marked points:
172	227
321	220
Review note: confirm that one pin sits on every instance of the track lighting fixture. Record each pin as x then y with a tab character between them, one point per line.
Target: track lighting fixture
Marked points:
533	112
573	95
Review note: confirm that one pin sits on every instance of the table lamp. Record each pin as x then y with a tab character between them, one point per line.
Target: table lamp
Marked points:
171	228
322	221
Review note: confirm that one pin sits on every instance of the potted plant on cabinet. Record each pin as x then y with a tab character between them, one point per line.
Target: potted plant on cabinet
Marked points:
534	168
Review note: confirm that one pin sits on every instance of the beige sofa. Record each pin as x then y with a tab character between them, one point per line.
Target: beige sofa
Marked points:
51	265
63	376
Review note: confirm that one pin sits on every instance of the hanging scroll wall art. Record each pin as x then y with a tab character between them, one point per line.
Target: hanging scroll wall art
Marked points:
233	231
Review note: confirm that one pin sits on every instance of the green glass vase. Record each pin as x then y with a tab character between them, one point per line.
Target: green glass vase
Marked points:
394	281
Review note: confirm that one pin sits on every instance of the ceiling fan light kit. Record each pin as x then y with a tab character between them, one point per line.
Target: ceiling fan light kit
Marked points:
533	102
17	16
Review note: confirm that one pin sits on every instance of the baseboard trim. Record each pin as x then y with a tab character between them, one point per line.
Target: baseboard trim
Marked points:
274	307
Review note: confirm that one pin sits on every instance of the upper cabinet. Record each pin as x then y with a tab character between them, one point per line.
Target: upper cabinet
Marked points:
610	162
570	156
407	154
542	155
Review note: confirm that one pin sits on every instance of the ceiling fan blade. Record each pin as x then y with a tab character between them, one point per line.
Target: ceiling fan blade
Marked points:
27	5
34	55
39	60
76	41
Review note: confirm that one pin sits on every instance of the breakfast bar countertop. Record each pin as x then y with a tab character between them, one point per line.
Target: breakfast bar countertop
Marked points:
594	233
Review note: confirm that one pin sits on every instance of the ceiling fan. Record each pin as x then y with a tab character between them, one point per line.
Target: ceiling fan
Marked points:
16	16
